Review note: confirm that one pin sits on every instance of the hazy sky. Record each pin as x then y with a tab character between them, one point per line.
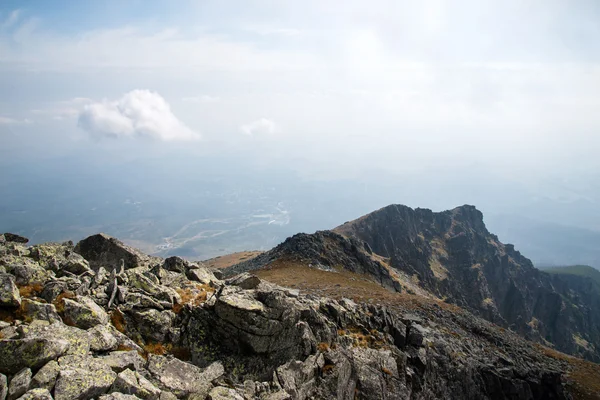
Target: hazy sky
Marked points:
330	87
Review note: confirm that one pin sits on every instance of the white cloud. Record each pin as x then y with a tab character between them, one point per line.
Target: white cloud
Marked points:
12	121
262	126
139	113
61	110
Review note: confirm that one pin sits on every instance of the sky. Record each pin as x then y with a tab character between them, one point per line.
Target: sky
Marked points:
330	89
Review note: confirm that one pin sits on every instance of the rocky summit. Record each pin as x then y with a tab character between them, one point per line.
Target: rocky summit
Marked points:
344	314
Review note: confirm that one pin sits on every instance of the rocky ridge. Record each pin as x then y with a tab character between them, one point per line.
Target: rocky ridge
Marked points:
101	320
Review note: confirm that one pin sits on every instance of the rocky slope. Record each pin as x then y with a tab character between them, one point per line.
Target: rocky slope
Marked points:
452	256
101	320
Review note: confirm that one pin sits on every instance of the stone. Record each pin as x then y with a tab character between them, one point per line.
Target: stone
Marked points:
82	377
84	312
75	264
223	393
11	237
45	378
28	272
104	251
175	264
101	338
416	335
3	387
16	354
36	394
245	281
19	384
131	382
202	275
121	360
118	396
33	310
78	339
9	292
182	378
153	324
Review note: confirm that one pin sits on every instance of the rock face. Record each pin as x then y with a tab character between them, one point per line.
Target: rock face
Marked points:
453	255
157	330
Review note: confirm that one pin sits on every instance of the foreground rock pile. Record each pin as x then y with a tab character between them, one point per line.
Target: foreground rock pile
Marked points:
101	320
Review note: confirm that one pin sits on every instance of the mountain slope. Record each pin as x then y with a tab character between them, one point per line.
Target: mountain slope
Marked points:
453	255
578	270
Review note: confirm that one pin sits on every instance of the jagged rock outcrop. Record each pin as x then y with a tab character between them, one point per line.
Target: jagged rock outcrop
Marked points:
245	338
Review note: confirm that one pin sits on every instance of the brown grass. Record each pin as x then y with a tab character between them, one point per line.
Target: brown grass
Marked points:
29	291
342	283
231	259
323	347
194	296
159	349
8	315
386	371
118	320
59	303
327	369
583	378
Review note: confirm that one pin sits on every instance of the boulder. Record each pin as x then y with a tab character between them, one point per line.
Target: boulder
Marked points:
11	237
77	339
27	272
131	382
182	378
202	275
3	387
33	310
104	251
101	338
118	396
82	377
46	376
36	394
19	384
75	264
245	281
224	393
16	354
121	360
175	264
9	292
84	313
153	324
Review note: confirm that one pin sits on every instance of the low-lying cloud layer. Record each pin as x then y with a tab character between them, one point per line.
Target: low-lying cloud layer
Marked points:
139	113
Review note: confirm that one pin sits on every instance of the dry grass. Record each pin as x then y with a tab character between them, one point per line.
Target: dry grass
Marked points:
7	315
323	347
29	291
159	349
327	369
231	259
194	296
118	320
342	284
583	378
162	349
386	371
59	303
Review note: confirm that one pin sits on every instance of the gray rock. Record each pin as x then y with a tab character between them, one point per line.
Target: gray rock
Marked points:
16	354
27	272
37	394
19	384
76	264
153	324
41	311
45	378
202	275
101	338
104	251
82	377
416	335
223	393
131	382
9	292
118	396
84	312
121	360
182	378
164	395
77	339
3	387
245	281
11	237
